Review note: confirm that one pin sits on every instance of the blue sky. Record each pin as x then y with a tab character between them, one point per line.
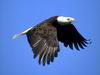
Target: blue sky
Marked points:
16	56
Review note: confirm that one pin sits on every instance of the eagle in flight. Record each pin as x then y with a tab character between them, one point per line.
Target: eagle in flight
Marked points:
44	38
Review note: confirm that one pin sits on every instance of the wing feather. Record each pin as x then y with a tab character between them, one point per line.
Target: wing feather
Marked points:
44	42
69	35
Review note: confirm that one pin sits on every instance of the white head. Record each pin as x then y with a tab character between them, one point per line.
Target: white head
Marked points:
62	19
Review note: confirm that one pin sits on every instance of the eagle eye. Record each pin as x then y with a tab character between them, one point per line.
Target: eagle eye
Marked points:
68	19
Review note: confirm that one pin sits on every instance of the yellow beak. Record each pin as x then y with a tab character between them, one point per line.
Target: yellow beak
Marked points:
72	19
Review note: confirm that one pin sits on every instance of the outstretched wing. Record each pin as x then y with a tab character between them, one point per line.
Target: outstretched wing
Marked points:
44	42
69	35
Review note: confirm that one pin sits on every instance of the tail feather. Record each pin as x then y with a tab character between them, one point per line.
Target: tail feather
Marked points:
16	36
23	33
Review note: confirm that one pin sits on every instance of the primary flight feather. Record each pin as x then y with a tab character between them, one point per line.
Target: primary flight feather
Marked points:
44	37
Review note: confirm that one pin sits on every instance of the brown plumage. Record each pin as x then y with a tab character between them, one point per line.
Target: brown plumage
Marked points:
44	42
44	38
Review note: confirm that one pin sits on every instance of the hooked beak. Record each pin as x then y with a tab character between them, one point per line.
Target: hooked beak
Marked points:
72	19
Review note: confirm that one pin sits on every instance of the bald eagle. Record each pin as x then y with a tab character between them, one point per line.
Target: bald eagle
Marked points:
44	38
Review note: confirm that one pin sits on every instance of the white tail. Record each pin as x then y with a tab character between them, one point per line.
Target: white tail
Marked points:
20	34
16	36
